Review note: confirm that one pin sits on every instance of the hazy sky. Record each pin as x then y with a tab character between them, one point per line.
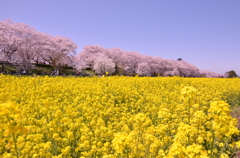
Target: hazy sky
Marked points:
206	33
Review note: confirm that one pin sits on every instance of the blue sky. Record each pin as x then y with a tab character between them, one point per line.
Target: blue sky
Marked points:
206	33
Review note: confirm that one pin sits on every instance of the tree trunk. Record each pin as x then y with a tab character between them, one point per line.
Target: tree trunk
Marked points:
3	67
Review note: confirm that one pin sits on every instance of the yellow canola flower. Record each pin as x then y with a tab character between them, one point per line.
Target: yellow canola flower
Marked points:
117	116
66	151
9	109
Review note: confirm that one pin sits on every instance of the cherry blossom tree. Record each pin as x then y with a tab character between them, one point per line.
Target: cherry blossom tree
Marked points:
8	40
89	54
17	41
130	60
115	54
24	45
42	40
58	50
104	64
173	72
170	68
25	52
159	67
143	69
155	64
187	70
206	73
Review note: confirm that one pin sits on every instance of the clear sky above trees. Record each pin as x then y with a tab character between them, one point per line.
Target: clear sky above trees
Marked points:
203	33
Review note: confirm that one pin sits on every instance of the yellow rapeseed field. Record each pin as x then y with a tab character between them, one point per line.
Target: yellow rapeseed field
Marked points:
118	117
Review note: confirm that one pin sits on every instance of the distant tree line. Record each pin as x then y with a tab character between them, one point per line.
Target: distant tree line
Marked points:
23	47
118	62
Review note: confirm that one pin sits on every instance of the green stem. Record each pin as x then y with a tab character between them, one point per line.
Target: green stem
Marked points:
15	145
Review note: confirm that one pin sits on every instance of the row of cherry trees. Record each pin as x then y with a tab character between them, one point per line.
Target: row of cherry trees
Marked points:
130	63
24	45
